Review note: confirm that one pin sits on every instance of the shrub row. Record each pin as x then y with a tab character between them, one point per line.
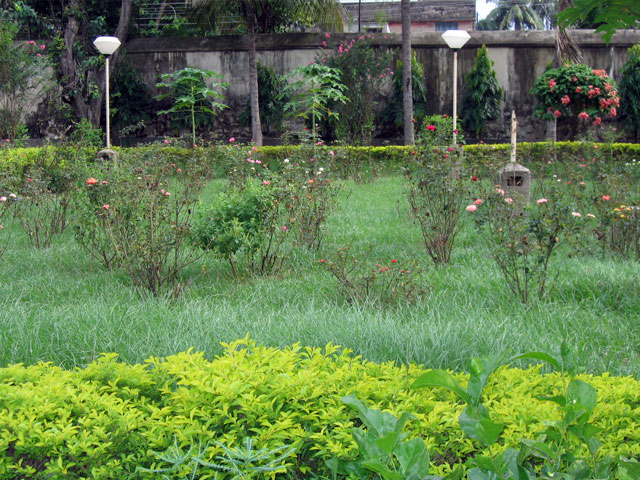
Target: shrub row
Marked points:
534	155
103	421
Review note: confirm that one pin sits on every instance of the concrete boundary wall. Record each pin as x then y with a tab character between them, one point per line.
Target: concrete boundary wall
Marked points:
520	57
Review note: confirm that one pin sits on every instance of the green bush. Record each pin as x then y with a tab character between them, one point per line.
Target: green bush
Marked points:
534	155
242	222
575	91
102	422
630	92
481	101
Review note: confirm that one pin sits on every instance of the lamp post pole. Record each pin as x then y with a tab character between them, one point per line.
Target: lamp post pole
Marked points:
106	96
455	40
455	97
107	47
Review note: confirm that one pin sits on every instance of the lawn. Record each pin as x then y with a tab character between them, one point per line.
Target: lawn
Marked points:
58	306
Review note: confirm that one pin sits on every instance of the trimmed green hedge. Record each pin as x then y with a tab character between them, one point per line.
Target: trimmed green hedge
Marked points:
102	422
533	155
348	159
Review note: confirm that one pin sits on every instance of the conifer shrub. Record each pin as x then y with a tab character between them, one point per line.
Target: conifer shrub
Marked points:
483	96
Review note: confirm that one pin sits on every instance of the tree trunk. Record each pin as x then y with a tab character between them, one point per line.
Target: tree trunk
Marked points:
68	71
407	90
256	127
83	104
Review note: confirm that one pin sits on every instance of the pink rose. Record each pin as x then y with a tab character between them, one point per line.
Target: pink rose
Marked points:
471	208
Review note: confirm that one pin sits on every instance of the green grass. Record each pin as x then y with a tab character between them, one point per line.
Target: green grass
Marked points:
56	306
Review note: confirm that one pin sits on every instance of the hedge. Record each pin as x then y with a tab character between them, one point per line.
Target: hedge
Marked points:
103	421
533	155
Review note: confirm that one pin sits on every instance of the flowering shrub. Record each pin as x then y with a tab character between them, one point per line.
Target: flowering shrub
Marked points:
364	69
437	130
137	217
308	192
438	191
618	226
522	244
303	186
576	91
45	194
241	163
362	280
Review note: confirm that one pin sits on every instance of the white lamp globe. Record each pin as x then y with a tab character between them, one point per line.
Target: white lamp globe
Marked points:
456	38
107	45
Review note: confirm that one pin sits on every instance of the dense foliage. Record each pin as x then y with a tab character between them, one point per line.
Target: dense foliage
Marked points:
630	91
363	70
105	420
576	91
482	97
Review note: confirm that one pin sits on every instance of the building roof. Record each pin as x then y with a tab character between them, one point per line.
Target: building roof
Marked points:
422	10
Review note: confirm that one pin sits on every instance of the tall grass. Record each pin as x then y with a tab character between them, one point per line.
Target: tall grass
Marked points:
57	306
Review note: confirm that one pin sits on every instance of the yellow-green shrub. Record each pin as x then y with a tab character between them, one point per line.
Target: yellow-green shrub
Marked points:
102	422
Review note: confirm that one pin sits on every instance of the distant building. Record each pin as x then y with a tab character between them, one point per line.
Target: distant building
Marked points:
426	16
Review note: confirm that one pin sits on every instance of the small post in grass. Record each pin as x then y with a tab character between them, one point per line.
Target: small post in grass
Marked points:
515	179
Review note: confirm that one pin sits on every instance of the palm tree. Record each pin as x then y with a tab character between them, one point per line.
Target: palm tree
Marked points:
265	16
512	14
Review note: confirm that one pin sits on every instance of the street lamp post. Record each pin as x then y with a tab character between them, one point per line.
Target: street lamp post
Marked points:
455	40
107	47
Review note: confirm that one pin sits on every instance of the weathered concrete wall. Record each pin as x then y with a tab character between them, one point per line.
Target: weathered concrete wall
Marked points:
520	57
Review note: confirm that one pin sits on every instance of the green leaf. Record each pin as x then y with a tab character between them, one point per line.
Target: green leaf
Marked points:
477	474
581	393
478	426
367	444
481	369
441	378
382	470
377	422
545	357
414	459
539	449
628	470
389	442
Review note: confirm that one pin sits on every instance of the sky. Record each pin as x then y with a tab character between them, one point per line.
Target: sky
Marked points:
483	8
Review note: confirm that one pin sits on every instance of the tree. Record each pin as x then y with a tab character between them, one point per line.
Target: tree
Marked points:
310	96
263	16
482	98
70	28
407	96
611	16
191	94
630	91
512	14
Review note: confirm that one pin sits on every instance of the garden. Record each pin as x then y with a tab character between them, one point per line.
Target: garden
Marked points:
194	309
342	270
